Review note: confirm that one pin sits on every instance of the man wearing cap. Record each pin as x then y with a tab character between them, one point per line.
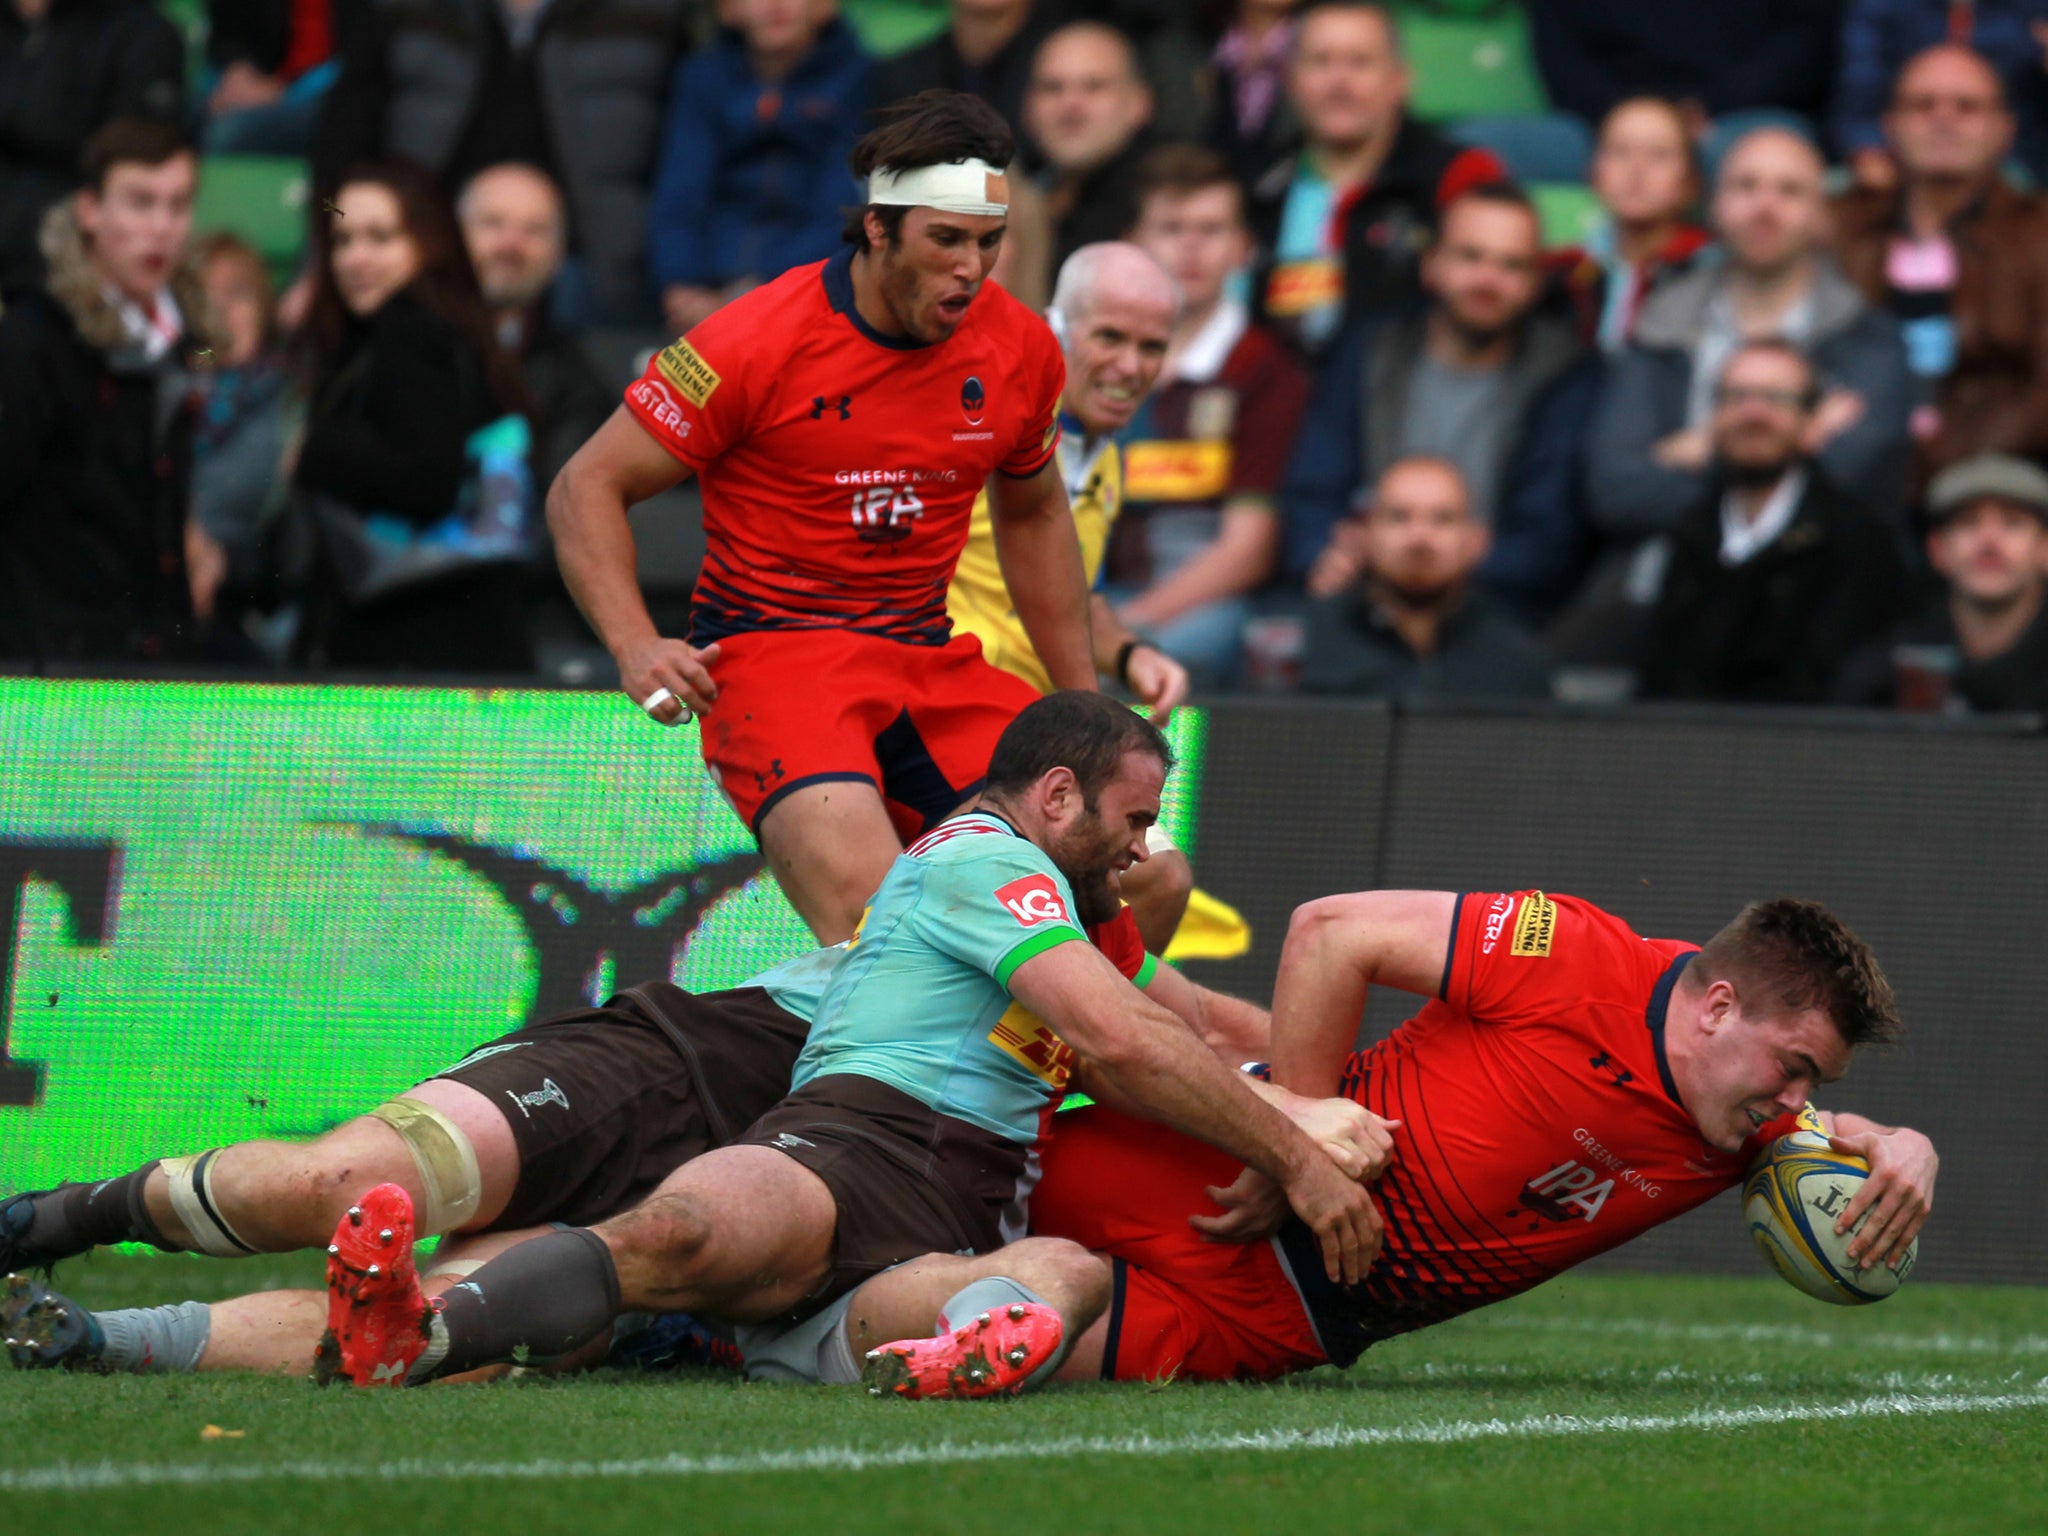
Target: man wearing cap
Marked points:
1982	642
841	419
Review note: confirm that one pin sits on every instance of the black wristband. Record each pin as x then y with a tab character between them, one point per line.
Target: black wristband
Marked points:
1123	659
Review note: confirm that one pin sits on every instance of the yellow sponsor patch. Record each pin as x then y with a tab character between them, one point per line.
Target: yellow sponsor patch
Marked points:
1176	471
1535	925
1021	1034
693	378
1296	287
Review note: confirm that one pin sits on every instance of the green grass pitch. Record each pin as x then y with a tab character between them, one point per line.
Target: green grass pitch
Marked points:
1597	1404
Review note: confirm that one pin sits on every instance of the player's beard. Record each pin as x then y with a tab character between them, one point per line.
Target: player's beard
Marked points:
1087	857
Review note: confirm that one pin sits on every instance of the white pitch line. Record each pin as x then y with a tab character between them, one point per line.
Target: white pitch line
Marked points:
1776	1333
104	1476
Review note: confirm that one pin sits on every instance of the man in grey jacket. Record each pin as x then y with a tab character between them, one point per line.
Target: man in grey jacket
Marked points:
1650	446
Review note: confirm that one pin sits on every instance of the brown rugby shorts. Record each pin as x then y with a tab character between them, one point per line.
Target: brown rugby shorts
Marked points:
907	1179
605	1103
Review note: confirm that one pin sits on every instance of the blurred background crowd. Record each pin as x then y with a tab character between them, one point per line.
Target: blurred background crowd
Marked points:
1576	348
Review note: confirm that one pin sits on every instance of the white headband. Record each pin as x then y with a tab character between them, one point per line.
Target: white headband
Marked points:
967	186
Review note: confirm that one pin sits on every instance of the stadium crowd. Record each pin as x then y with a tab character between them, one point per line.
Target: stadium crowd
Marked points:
1720	372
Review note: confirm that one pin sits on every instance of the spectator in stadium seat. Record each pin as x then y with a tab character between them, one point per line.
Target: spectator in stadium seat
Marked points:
1985	635
753	177
272	67
576	89
1342	223
516	230
96	413
67	67
240	475
1086	112
1647	179
1407	622
1880	37
1651	443
986	51
1776	574
1204	457
1959	259
403	369
1716	57
1479	374
1249	119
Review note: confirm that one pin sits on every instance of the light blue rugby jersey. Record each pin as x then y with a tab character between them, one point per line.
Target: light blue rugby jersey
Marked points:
920	998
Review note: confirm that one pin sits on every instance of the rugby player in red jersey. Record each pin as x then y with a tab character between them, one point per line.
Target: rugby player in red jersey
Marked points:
1569	1086
841	420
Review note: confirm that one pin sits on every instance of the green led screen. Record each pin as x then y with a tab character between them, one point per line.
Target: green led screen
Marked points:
246	910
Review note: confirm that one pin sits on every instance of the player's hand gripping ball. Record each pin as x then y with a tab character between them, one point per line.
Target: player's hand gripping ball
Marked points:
1795	1191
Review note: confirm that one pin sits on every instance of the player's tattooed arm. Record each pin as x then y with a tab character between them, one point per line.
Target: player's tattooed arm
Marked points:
587	504
1040	554
1336	949
1899	1192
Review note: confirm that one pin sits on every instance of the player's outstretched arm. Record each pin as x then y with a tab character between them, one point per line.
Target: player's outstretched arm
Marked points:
1237	1031
1040	555
1336	948
1899	1192
619	466
1151	1062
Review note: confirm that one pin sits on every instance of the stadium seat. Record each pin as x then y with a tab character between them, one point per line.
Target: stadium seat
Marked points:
1469	58
1534	146
1569	211
262	198
192	22
889	27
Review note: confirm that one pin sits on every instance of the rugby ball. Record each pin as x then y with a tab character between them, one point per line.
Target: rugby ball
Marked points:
1795	1191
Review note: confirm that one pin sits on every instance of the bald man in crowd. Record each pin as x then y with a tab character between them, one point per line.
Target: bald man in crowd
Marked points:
1959	259
1395	612
1650	450
1113	310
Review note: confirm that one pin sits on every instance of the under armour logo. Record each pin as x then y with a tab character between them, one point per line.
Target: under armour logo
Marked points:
772	776
820	404
1605	1063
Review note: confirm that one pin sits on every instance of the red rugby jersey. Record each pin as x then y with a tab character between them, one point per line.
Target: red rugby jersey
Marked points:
839	465
1540	1125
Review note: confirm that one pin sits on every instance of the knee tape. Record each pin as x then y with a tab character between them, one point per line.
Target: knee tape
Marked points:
192	1197
444	1158
1157	840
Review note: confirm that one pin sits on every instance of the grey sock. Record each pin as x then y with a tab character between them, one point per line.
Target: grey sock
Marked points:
535	1302
989	1295
836	1365
152	1340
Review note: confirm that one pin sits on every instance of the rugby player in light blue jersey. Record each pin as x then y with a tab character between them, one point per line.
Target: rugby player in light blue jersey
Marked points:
945	1035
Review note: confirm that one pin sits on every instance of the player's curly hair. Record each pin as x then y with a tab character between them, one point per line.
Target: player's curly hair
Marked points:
931	128
1799	955
1086	733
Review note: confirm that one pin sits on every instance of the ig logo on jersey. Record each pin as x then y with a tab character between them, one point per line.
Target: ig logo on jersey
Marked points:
973	399
1033	900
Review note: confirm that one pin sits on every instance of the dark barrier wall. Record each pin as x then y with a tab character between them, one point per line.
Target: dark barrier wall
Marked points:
1929	842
